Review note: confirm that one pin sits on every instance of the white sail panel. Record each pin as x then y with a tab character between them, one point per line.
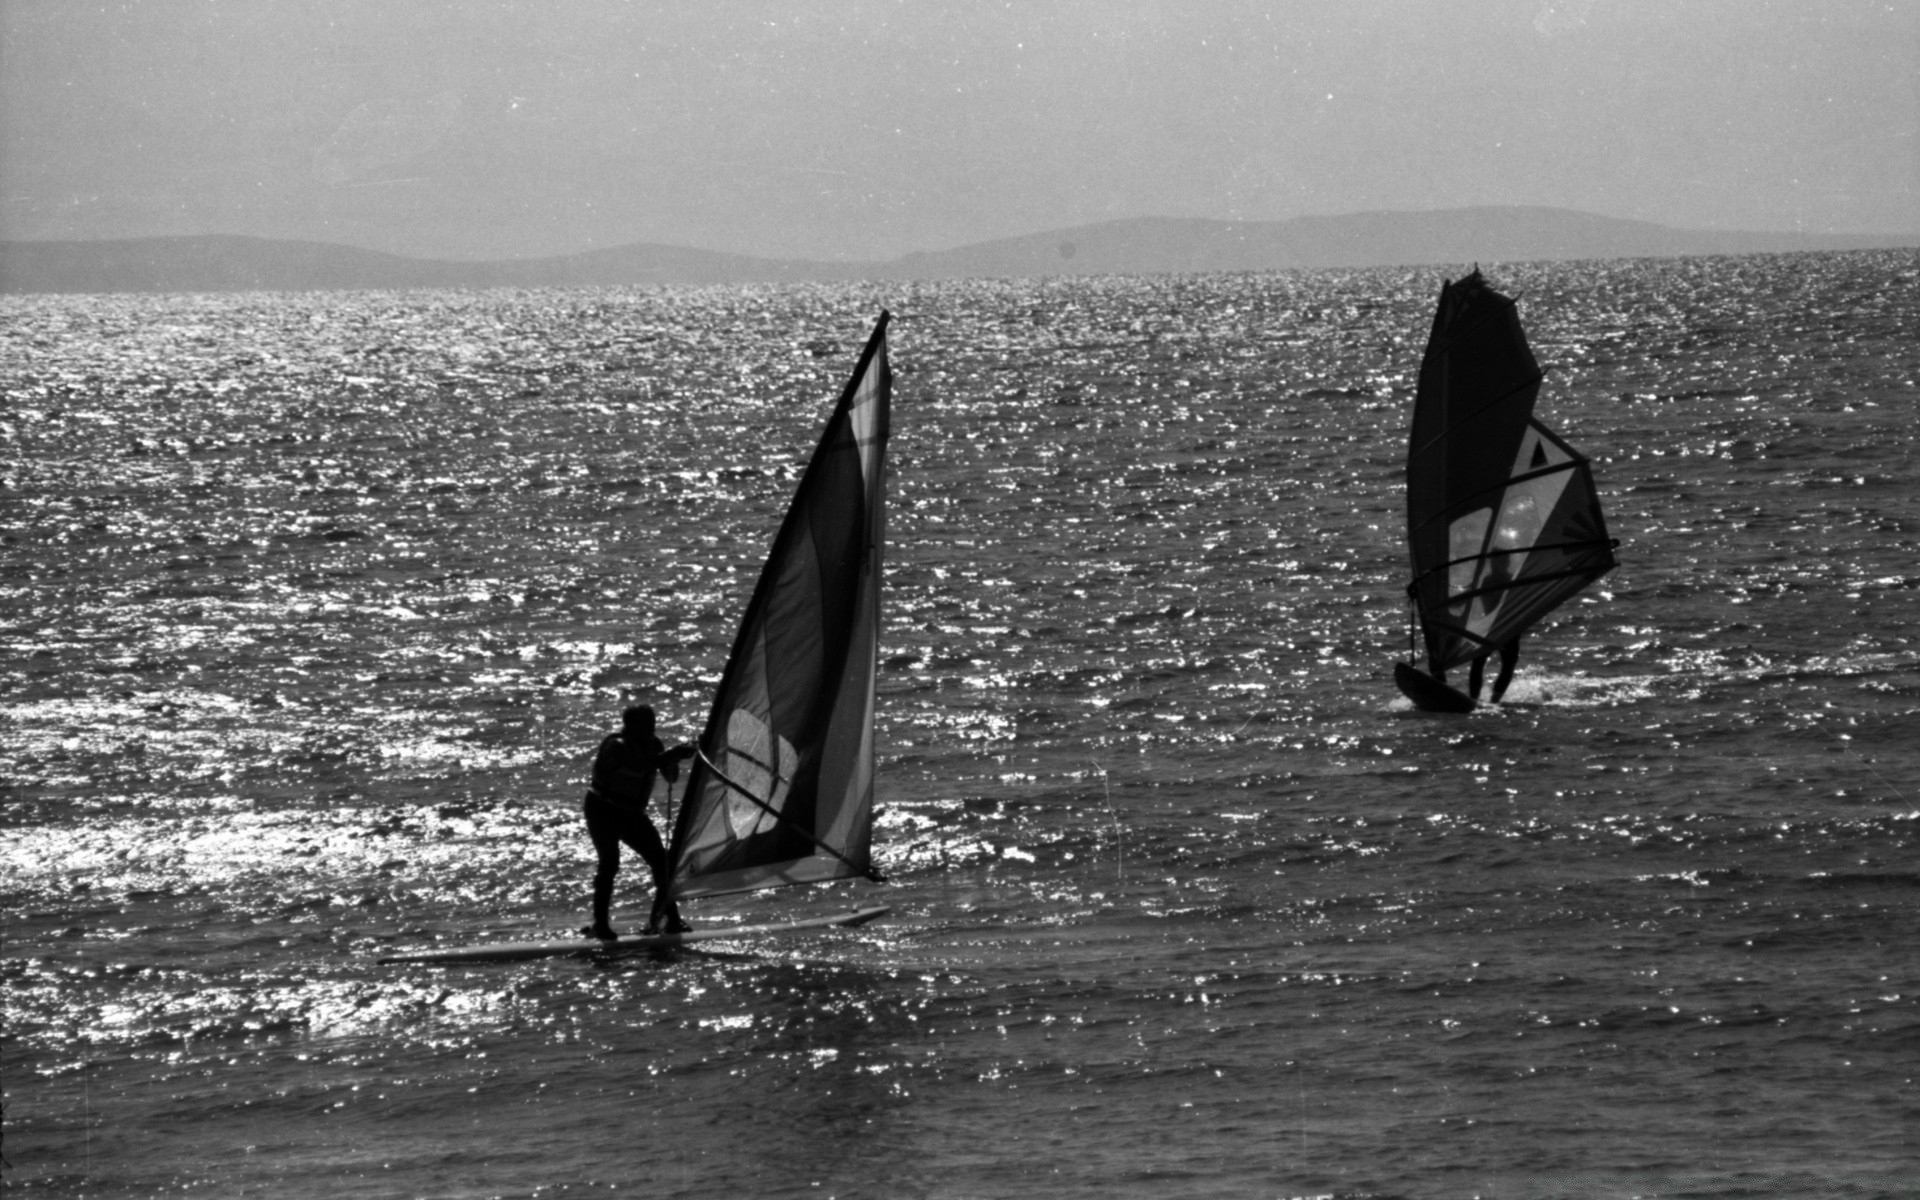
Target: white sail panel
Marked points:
760	763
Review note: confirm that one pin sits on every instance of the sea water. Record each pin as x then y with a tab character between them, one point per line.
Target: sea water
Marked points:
315	606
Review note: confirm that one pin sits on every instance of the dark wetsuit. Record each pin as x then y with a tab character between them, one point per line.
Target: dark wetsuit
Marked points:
616	810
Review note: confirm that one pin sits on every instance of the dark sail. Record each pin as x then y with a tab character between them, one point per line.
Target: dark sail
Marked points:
782	788
1502	517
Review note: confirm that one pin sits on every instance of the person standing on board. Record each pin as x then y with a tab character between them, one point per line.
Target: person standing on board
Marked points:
617	811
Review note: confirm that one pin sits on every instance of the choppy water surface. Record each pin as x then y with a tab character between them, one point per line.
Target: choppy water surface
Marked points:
315	605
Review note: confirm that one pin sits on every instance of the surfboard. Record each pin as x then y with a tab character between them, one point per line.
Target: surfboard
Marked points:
1429	694
597	948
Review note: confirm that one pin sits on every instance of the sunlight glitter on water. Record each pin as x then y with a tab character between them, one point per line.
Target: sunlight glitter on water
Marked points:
1135	732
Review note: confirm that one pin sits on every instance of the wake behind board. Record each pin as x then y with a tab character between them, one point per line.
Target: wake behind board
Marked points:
1429	694
595	947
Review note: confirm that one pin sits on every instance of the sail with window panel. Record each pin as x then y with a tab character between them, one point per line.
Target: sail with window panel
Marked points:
1503	521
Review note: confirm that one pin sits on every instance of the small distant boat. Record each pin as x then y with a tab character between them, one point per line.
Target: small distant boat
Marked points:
1503	521
780	790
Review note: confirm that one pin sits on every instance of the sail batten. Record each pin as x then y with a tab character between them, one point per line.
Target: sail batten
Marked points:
781	791
1503	520
1545	546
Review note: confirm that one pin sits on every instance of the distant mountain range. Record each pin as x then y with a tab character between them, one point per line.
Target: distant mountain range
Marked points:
1140	246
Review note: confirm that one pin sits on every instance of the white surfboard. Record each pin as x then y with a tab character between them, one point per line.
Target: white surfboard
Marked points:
596	947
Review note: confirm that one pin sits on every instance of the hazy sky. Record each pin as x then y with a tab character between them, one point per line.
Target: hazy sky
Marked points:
869	128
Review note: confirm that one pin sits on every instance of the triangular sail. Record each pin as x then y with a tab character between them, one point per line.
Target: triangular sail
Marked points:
1502	517
781	790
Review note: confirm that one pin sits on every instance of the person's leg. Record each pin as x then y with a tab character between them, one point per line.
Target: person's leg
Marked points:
645	839
1474	674
665	917
1509	655
606	849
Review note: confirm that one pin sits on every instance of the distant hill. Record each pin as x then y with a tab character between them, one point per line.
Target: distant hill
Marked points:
1140	246
226	263
1153	245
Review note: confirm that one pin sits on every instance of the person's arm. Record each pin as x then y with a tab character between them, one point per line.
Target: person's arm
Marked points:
670	762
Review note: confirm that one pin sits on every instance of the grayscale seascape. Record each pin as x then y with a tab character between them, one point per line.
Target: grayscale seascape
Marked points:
316	605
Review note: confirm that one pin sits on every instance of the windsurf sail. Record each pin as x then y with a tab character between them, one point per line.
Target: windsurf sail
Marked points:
1502	517
780	790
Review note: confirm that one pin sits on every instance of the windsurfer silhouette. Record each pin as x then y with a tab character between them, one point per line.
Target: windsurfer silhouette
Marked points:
616	809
